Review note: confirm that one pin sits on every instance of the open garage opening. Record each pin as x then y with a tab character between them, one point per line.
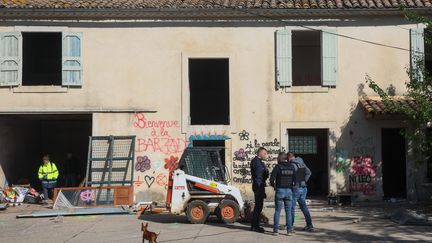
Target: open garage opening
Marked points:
24	139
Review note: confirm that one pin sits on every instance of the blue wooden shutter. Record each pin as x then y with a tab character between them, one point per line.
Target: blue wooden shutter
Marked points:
283	58
329	58
10	59
417	52
71	59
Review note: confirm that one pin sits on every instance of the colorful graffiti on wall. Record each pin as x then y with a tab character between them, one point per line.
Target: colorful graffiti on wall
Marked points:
362	176
159	139
155	139
243	156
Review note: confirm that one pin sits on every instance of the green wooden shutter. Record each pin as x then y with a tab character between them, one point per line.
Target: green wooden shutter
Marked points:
71	59
283	58
417	52
10	59
329	58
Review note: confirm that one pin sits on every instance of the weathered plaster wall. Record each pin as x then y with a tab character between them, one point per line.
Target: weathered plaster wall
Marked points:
144	67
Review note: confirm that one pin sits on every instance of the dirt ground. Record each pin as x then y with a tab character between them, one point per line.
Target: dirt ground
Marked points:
361	223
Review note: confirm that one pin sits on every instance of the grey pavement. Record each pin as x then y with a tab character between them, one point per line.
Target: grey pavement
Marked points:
333	224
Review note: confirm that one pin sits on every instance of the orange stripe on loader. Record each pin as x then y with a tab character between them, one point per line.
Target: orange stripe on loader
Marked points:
207	188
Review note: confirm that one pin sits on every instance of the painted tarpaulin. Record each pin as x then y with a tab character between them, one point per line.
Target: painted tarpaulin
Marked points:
203	163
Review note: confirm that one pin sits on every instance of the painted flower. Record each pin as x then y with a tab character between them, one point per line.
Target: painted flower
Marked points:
240	155
244	135
143	164
171	163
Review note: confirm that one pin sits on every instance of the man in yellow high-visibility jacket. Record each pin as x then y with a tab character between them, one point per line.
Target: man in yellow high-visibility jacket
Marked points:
48	174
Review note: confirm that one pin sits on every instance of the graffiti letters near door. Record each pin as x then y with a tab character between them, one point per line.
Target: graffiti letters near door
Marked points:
243	156
362	176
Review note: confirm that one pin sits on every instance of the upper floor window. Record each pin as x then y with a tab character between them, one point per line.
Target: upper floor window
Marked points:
40	58
306	58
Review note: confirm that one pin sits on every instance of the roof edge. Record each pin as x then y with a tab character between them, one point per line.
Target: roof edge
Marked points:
253	14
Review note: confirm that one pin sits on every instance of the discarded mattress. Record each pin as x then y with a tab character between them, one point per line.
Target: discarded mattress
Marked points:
76	212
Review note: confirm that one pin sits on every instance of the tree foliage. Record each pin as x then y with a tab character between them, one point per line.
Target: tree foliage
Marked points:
419	89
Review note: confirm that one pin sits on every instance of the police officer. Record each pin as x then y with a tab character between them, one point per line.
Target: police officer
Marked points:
302	175
48	174
281	179
260	174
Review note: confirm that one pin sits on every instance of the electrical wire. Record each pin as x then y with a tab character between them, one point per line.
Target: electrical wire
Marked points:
309	28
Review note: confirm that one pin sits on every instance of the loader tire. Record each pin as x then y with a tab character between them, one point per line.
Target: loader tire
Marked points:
197	212
228	211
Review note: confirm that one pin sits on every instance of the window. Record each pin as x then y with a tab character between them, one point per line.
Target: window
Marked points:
306	56
303	144
40	58
209	91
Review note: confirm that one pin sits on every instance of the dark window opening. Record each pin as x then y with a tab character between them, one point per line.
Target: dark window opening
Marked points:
42	55
306	58
218	144
428	51
209	91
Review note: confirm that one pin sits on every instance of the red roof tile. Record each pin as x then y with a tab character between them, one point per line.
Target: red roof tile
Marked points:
213	4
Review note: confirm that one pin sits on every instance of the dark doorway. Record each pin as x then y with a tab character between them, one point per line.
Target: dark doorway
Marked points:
312	146
217	144
42	55
394	162
25	138
209	91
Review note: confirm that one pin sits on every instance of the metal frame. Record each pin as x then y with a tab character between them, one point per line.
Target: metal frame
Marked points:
109	160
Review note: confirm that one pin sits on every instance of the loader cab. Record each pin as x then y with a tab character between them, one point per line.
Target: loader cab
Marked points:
204	162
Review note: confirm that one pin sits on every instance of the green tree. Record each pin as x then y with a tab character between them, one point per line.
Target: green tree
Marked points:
419	90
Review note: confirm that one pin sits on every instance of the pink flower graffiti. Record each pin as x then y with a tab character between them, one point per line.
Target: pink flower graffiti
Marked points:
363	165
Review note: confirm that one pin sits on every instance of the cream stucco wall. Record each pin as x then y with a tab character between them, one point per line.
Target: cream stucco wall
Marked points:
144	67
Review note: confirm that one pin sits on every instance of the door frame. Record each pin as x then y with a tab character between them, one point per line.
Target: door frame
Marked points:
331	126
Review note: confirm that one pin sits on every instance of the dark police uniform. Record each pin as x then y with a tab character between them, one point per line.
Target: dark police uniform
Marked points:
259	176
282	179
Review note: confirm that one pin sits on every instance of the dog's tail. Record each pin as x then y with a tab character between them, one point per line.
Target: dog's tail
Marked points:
159	233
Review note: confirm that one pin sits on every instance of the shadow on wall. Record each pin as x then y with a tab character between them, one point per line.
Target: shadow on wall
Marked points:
353	157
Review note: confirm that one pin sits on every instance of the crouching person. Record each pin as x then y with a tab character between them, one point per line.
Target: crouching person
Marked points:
281	179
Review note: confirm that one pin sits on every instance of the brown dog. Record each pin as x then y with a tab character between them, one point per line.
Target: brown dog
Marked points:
248	212
148	235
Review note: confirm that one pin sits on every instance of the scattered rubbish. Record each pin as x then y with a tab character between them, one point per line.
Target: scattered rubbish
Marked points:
76	212
396	200
409	217
18	194
339	199
58	219
358	220
3	206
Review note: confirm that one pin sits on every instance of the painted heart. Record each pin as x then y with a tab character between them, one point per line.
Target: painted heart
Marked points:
149	180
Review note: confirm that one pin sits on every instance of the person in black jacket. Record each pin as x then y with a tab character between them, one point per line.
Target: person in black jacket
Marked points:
281	179
260	174
302	175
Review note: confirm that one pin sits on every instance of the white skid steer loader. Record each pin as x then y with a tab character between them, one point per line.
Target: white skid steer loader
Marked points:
198	188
